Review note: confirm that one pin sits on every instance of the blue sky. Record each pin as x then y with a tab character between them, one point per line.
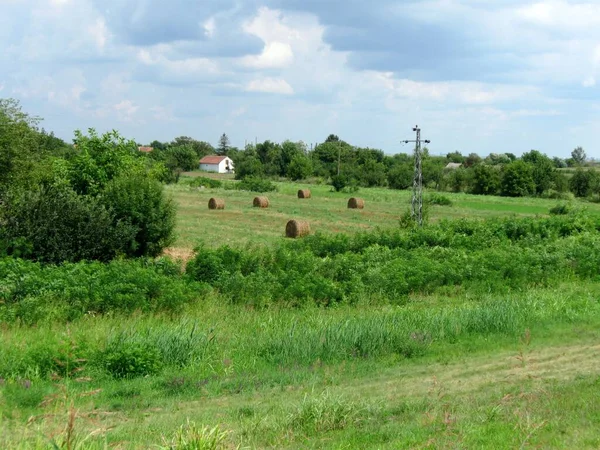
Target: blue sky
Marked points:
477	75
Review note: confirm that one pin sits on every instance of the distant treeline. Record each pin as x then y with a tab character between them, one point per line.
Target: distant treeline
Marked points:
346	166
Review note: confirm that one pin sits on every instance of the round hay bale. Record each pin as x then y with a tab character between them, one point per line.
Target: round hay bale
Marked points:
261	202
356	203
304	193
216	203
297	228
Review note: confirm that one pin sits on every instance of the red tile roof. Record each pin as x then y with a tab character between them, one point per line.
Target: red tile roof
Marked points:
212	159
145	149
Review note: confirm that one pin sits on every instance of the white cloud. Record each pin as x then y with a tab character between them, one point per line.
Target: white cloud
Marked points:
270	86
561	14
126	110
470	93
589	82
274	55
209	27
99	33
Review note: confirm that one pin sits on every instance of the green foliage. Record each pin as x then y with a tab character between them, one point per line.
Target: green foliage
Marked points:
339	182
562	209
438	199
181	156
400	176
224	145
255	184
100	159
327	270
517	180
543	170
585	182
192	437
486	180
127	357
300	167
206	182
248	165
141	203
53	224
30	292
578	155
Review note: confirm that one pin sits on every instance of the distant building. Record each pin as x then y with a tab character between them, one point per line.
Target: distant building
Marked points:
145	149
453	166
218	164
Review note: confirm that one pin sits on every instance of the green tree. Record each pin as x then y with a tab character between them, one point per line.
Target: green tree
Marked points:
141	203
53	224
300	167
455	157
400	176
543	170
579	156
485	180
224	145
517	180
181	156
584	182
100	159
19	143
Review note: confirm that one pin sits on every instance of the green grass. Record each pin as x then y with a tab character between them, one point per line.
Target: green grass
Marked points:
326	211
498	366
492	371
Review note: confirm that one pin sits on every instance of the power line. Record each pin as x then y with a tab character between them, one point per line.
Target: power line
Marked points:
416	211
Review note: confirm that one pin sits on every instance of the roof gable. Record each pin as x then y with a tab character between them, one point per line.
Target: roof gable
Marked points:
212	159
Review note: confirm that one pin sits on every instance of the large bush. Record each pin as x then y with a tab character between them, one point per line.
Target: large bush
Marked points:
53	224
141	203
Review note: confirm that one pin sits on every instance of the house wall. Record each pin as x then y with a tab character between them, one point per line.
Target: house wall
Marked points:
218	168
210	167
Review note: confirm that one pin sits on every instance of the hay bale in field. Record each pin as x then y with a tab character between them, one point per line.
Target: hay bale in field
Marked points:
297	228
216	203
261	202
356	203
304	193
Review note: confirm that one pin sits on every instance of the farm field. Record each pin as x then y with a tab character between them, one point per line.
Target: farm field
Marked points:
482	334
326	211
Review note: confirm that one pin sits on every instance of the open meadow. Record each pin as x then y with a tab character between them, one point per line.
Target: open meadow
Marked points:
480	330
326	211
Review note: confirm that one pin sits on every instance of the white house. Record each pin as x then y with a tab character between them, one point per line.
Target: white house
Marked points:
214	163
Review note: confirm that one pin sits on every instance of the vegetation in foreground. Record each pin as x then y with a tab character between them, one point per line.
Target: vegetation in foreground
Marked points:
219	345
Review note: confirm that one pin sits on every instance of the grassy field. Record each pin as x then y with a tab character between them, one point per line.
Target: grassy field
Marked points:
326	211
497	360
531	383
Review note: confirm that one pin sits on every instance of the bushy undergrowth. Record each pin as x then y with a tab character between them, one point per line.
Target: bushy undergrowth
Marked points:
487	256
31	292
206	182
255	184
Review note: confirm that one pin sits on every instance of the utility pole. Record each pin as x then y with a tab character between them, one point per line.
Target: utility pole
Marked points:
339	156
416	210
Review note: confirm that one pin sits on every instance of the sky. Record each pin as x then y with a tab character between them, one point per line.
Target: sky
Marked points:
476	75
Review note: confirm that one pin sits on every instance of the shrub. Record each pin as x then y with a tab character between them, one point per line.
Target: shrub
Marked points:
54	224
127	356
255	184
517	180
438	199
562	209
206	182
339	182
141	203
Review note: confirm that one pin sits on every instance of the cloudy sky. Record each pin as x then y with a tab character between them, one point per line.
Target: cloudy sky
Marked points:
477	75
